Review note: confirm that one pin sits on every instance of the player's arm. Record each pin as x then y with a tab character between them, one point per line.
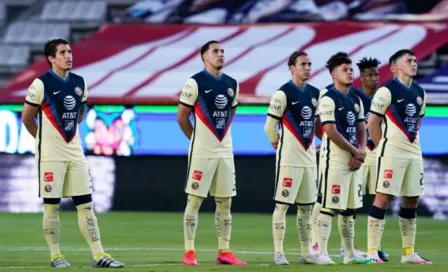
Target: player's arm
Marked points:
361	127
32	104
276	109
187	101
422	111
327	117
317	124
235	102
85	95
380	103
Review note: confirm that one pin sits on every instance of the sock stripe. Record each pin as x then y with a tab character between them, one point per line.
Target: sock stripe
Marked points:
327	213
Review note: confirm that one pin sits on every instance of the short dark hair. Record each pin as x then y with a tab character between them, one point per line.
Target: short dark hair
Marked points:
206	46
51	47
366	63
393	59
337	60
292	59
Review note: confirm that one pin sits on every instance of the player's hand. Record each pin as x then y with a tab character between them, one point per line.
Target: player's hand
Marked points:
275	145
354	164
360	155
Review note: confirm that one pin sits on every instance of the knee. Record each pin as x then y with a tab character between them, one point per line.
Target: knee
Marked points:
82	199
223	204
281	208
348	212
304	209
382	201
409	202
194	203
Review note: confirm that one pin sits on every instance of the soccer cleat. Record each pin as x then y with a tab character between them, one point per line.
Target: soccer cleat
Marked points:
226	257
106	261
58	261
280	259
310	259
374	257
323	259
414	258
357	260
383	255
190	258
358	252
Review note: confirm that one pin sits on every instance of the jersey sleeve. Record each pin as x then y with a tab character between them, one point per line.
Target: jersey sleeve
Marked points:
361	117
277	105
321	93
85	94
423	108
189	93
326	111
381	101
35	94
237	94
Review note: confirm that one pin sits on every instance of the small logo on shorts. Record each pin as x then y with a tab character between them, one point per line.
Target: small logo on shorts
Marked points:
195	185
285	193
386	184
388	173
287	182
48	177
336	189
47	188
197	175
335	199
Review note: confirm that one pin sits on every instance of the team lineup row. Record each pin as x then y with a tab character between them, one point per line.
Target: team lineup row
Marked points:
384	160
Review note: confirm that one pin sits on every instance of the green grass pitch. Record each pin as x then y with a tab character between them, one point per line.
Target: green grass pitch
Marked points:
154	242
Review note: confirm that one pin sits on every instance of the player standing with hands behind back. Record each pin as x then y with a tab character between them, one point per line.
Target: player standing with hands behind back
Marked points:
212	97
396	113
58	97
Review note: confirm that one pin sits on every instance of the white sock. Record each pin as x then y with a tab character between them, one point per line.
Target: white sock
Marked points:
305	228
279	226
88	225
223	222
324	222
51	227
346	226
314	215
191	220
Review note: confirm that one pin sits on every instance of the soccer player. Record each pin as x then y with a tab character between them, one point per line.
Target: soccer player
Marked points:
342	153
58	98
293	107
396	113
368	68
212	97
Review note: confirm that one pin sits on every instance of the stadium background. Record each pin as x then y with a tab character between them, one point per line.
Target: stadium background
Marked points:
135	56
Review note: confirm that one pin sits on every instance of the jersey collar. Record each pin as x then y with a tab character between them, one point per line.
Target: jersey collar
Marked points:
297	87
53	73
212	76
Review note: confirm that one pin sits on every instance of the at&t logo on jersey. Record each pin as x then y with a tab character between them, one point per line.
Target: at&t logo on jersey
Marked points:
351	118
221	101
307	125
412	120
306	112
351	130
69	102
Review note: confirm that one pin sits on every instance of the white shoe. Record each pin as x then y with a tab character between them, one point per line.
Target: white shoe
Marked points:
310	259
414	258
280	259
323	259
375	258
